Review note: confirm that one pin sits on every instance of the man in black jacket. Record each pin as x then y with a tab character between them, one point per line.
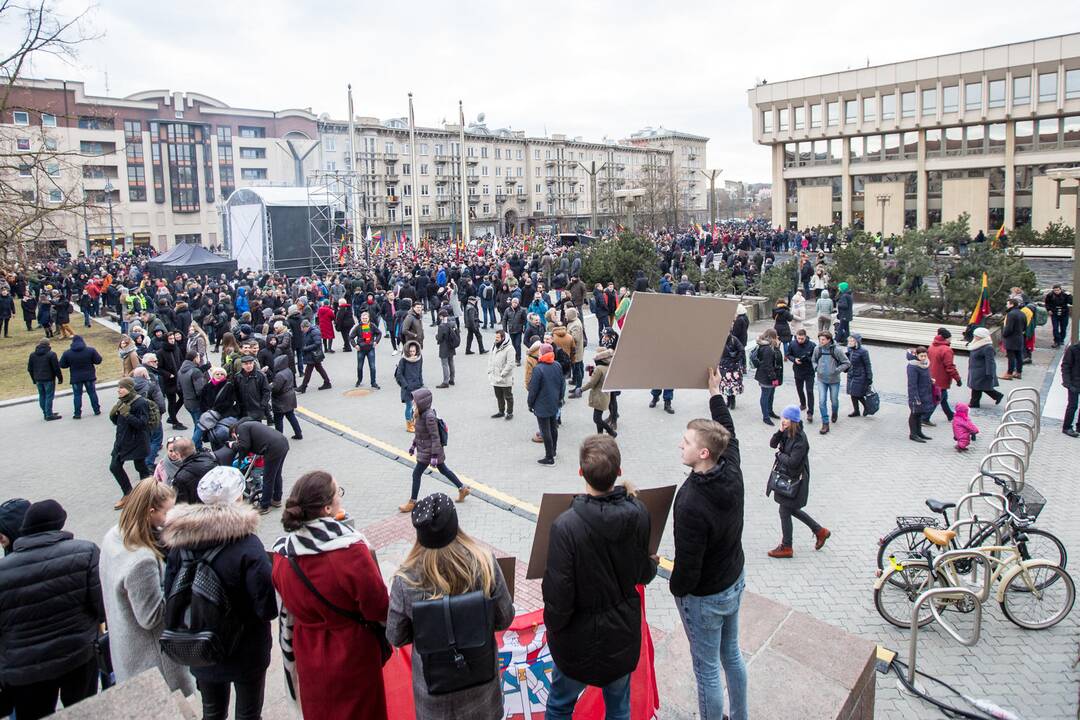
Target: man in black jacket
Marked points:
1070	378
1057	303
708	580
252	391
44	369
472	325
1012	336
598	554
80	360
190	470
254	437
513	322
50	611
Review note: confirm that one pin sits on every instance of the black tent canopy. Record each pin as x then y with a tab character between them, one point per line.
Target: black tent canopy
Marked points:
190	259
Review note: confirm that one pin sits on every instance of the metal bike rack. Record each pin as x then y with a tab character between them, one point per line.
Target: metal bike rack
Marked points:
1017	429
1028	405
1013	445
978	493
1028	393
978	597
1004	463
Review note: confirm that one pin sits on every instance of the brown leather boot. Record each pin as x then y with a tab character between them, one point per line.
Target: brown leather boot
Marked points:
407	507
780	551
822	535
463	493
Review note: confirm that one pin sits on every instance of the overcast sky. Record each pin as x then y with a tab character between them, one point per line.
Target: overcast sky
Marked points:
593	68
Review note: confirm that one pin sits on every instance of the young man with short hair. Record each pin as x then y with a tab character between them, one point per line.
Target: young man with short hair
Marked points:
708	579
598	554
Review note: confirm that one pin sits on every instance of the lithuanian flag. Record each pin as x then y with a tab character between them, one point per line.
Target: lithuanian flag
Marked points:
982	308
997	237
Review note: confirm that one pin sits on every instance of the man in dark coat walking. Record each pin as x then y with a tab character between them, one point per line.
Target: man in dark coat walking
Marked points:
472	326
79	360
545	391
44	369
254	437
1012	335
50	611
252	391
598	553
131	416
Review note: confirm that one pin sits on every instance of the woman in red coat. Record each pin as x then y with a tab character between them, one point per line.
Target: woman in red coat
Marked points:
333	663
325	317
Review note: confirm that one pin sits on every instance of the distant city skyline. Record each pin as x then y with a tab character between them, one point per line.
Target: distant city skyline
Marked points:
597	70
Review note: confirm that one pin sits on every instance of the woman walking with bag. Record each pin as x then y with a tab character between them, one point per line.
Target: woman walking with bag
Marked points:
860	374
599	400
447	563
769	373
982	368
793	463
333	657
428	445
920	392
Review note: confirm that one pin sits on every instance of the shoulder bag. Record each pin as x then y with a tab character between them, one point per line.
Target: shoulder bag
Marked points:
871	401
781	484
377	629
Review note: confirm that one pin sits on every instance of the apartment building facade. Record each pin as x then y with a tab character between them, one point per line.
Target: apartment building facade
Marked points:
916	143
153	168
513	182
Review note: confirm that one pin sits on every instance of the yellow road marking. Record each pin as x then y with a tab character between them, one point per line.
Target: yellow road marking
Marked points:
665	563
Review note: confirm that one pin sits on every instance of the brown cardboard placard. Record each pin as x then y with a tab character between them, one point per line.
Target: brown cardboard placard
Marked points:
508	565
670	341
656	500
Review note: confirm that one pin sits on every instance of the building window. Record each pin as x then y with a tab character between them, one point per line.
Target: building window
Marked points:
1048	134
873	147
1048	87
331	166
1072	84
136	183
1022	90
1024	131
800	118
995	96
836	150
933	143
247	131
950	100
767	121
91	122
907	104
995	136
954	141
56	196
892	146
929	102
425	210
48	120
23	144
974	140
973	96
855	149
249	153
888	107
24	171
52	169
783	115
252	173
869	108
833	113
910	145
50	144
424	192
329	143
20	117
815	115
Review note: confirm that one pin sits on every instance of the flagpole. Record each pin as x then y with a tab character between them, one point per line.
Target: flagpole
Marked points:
464	198
412	173
354	214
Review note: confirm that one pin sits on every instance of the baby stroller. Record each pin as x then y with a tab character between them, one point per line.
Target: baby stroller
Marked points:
251	465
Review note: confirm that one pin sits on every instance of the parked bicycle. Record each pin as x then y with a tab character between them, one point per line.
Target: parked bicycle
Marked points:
1034	593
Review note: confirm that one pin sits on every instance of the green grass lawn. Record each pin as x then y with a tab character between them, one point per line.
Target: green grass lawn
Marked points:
14	352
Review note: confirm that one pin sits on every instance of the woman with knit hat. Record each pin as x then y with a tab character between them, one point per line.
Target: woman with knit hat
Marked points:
982	368
599	400
445	562
428	446
793	459
131	416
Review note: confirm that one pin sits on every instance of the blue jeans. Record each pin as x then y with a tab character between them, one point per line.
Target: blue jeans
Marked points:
86	318
1060	324
196	434
45	393
91	392
668	394
766	401
360	356
156	437
408	410
565	692
488	307
712	627
825	389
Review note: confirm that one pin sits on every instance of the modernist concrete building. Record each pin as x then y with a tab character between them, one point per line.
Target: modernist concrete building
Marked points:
163	162
919	142
514	182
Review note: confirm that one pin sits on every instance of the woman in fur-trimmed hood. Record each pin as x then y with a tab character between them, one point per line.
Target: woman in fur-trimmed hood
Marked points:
244	570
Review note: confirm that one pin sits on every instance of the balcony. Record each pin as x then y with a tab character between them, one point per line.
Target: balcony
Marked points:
442	179
572	196
522	198
472	179
551	162
392	199
691	156
391	176
471	160
442	199
551	181
474	199
620	166
573	181
511	181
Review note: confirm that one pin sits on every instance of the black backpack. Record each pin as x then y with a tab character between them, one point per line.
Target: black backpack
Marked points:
200	626
444	432
455	636
455	336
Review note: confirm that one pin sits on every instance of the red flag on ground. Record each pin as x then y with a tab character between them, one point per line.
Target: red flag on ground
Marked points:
525	666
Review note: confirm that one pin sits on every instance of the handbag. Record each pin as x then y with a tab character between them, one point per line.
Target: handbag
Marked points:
781	484
376	628
455	636
871	401
104	660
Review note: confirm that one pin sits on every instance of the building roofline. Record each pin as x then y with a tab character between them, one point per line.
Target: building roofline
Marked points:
918	59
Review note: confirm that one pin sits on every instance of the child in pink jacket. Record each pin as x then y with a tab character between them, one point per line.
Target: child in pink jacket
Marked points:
962	427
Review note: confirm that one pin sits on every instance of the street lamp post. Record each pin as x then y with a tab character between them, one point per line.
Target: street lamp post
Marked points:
883	200
112	226
711	174
592	172
1058	175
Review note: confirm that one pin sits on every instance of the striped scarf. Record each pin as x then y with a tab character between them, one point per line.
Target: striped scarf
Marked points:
316	536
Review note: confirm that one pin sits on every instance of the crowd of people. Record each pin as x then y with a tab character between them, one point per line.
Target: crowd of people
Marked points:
225	358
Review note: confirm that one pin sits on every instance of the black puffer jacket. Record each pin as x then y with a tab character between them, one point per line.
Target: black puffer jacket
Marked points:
43	364
132	440
282	387
50	607
770	364
708	521
597	555
80	360
252	394
188	474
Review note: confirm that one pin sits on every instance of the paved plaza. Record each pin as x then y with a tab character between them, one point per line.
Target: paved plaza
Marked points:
863	473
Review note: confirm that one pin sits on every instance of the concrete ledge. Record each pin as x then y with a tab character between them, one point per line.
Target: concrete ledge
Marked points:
798	667
911	333
757	306
1046	253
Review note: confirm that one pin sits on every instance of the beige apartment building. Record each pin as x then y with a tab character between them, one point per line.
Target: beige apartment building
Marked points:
514	182
920	142
154	168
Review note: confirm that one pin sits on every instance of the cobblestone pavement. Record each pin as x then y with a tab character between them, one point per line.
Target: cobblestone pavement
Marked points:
864	473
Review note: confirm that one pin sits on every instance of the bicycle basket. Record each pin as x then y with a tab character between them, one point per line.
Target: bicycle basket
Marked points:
903	521
1034	502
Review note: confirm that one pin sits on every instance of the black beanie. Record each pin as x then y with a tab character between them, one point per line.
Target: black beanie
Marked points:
12	513
944	332
436	522
42	517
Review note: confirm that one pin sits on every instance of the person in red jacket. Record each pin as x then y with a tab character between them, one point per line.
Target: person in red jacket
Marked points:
325	317
332	661
943	370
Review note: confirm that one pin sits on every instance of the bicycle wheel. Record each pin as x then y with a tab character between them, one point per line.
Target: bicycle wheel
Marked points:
1041	545
902	543
895	597
1039	597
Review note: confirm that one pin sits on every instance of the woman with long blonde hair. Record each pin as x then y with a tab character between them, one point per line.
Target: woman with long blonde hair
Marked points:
131	570
447	562
197	339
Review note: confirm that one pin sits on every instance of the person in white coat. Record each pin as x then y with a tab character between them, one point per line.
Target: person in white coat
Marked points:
798	311
501	367
131	570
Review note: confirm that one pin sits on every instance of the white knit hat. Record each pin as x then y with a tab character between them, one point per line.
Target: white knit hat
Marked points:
221	485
